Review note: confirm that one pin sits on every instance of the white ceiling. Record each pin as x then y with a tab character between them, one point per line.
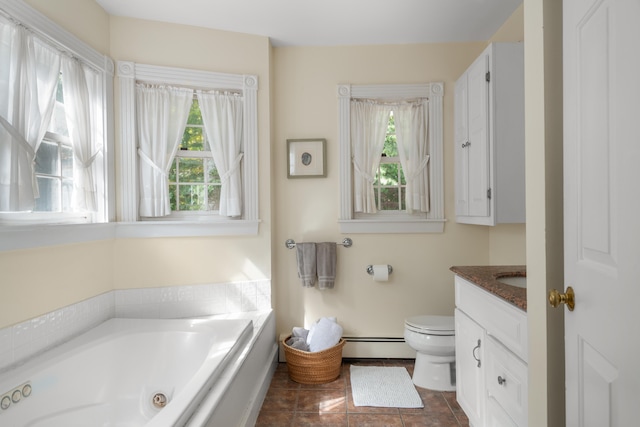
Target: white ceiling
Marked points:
331	22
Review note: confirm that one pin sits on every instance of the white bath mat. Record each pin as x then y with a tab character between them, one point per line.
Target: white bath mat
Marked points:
384	387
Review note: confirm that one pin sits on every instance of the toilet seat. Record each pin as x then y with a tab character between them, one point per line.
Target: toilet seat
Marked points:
431	325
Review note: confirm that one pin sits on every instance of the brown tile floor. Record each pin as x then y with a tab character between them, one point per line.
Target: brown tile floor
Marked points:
296	405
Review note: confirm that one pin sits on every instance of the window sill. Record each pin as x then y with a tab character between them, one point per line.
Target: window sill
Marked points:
376	226
186	228
36	236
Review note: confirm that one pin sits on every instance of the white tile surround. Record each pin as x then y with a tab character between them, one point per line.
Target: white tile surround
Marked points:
26	339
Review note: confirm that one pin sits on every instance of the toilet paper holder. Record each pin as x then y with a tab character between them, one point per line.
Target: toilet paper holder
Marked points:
370	269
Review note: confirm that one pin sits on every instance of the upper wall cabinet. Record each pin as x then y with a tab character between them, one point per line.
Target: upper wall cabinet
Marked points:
489	138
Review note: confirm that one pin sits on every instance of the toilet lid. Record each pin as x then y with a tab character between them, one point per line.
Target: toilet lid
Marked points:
437	325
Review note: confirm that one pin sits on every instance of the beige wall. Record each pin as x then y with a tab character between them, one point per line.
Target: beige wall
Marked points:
84	19
297	99
175	261
305	81
33	285
31	282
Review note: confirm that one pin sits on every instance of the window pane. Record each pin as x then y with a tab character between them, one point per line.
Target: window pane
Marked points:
66	154
192	139
195	116
191	170
47	161
49	200
58	122
67	193
172	197
389	199
192	197
172	171
390	142
214	176
214	197
389	174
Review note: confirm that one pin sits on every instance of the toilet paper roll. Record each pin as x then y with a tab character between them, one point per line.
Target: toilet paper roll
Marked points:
380	273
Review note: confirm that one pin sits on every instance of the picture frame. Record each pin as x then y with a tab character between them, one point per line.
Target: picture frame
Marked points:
306	158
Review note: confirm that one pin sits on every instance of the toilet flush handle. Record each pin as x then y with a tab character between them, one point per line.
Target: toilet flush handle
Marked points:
474	353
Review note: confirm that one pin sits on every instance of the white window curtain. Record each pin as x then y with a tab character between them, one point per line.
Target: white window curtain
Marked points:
29	72
222	118
369	123
162	114
81	85
411	121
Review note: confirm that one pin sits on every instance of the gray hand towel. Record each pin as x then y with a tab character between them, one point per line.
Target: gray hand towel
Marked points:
306	256
326	258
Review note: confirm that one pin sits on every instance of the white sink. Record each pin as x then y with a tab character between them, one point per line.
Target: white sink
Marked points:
517	281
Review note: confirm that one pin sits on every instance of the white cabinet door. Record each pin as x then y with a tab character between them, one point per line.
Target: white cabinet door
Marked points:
461	138
478	144
471	136
470	386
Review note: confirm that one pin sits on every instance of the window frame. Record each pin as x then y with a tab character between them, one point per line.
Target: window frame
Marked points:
130	224
385	221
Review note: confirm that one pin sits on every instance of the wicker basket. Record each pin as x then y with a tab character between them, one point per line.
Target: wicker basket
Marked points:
313	367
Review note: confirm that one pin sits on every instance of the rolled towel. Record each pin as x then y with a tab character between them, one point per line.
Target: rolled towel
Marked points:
306	257
326	334
312	329
299	332
298	343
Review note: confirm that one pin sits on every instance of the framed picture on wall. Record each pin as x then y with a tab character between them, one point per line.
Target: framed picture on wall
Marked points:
306	158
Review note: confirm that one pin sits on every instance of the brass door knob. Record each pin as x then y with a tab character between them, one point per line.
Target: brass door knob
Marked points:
556	298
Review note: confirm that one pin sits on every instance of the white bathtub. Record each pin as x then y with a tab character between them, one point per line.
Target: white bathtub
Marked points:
109	376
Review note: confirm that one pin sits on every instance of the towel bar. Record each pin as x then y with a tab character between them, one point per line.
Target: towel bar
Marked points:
346	242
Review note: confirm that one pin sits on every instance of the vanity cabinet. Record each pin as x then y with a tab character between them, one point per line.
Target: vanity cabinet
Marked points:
489	138
491	358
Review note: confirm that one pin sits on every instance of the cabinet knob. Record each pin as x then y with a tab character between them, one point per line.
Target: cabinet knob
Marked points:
466	144
501	380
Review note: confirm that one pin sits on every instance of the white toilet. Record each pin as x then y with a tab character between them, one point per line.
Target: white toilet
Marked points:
433	337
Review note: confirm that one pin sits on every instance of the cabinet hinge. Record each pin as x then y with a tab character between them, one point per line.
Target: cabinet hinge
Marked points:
489	194
488	76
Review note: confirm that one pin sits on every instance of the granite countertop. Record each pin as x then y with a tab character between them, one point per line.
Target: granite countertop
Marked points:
486	277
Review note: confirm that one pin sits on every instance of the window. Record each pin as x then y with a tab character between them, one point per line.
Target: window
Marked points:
388	199
211	178
194	181
389	184
52	134
54	162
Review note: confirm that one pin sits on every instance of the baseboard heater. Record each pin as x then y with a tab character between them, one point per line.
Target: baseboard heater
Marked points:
370	348
377	347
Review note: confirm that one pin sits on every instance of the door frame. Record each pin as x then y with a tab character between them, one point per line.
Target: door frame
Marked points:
544	234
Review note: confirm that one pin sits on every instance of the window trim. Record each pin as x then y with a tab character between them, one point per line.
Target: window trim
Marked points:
433	221
130	224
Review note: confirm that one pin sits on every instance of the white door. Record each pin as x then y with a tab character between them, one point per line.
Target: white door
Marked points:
602	211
